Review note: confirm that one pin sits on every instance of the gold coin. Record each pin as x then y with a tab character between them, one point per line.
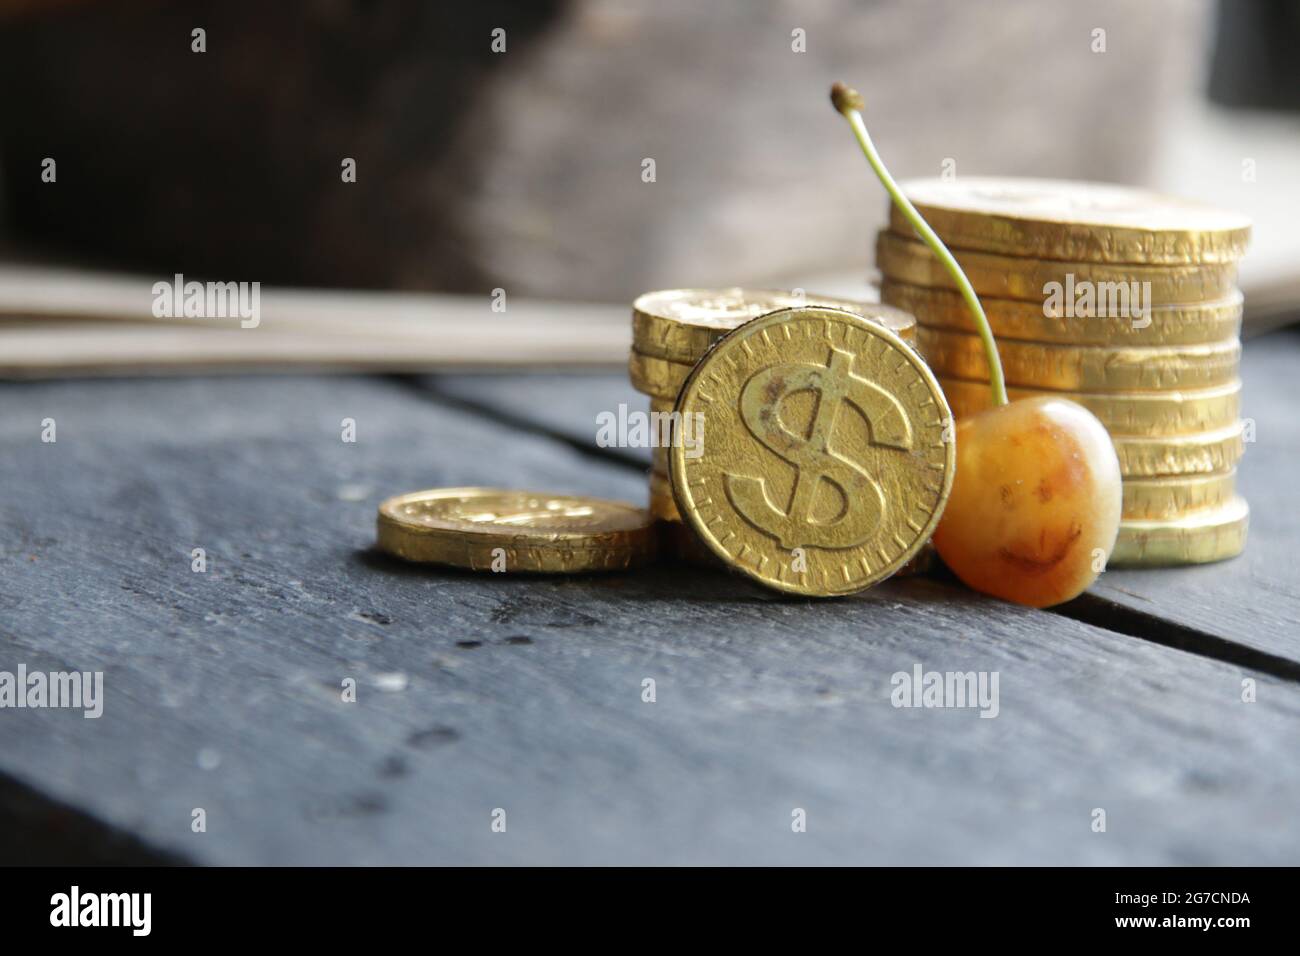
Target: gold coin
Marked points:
824	467
1191	324
1123	413
1197	538
1087	368
681	324
1124	287
1200	454
491	529
1161	499
662	504
656	377
1090	222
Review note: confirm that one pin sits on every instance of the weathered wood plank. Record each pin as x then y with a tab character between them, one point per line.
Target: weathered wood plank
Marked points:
482	692
563	404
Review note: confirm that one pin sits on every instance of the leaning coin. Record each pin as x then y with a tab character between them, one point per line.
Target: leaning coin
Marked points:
825	467
1129	288
518	531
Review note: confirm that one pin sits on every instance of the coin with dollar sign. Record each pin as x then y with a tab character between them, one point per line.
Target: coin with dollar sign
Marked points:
826	456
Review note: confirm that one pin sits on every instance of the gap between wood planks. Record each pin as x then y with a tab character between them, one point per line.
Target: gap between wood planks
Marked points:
1088	608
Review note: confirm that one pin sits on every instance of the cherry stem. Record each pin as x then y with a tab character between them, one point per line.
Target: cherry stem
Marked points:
849	103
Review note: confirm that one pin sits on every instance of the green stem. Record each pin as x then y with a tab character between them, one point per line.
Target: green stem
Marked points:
997	382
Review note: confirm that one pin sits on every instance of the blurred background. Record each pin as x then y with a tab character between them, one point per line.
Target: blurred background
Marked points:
523	169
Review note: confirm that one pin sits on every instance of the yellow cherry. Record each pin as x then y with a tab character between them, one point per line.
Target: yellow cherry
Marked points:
1035	503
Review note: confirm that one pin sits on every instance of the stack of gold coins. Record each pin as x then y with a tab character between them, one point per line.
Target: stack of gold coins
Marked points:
1121	300
671	332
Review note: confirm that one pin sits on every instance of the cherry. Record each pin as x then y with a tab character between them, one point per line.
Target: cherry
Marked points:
1036	500
1035	503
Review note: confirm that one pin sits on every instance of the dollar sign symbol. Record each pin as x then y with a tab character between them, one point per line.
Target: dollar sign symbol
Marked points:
862	501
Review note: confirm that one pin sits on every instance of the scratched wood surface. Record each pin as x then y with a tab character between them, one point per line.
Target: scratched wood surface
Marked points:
479	692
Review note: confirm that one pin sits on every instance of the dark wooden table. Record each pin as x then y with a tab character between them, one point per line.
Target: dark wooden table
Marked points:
485	692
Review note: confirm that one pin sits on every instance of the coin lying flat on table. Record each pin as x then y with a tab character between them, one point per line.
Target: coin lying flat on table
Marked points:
1057	219
825	468
1123	413
1007	277
1197	538
1161	499
518	531
681	324
1089	368
1190	324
